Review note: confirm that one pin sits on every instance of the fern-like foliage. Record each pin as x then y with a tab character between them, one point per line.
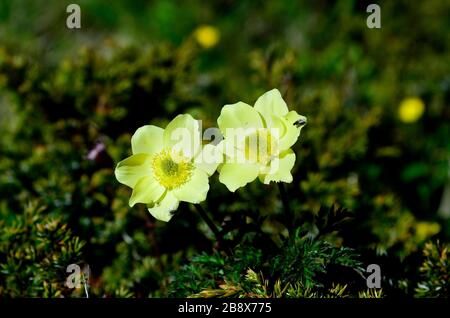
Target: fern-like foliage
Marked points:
35	250
303	258
209	271
435	271
303	266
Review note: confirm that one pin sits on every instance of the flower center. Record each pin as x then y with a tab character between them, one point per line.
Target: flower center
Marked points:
260	146
171	173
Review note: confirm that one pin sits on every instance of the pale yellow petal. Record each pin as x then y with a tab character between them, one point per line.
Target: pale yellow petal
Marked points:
235	119
208	159
237	175
289	127
195	190
280	168
271	104
147	190
130	170
233	148
182	135
295	119
163	210
147	139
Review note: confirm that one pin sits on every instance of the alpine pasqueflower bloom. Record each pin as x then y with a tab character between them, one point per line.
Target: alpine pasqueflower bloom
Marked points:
257	141
167	166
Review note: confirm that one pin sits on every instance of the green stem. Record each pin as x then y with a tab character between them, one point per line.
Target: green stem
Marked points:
208	221
285	201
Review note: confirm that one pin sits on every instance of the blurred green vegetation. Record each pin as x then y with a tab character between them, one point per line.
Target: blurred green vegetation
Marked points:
368	186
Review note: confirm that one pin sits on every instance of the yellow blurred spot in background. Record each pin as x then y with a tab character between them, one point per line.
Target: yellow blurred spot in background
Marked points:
411	109
424	230
207	36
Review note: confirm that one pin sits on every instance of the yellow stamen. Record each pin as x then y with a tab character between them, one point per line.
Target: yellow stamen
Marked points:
171	173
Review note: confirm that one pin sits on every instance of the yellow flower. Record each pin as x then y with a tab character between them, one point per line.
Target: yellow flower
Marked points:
411	109
207	36
257	141
167	166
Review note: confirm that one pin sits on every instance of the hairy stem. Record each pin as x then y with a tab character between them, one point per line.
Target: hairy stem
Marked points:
208	221
286	207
